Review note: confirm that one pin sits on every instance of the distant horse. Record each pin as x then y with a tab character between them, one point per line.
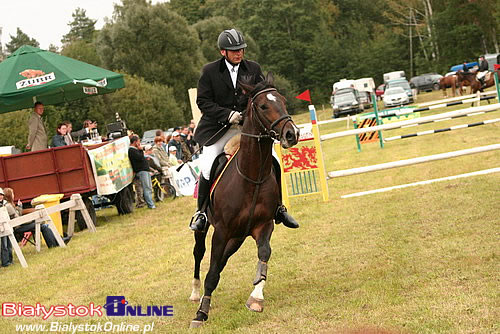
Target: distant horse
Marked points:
468	79
245	199
448	82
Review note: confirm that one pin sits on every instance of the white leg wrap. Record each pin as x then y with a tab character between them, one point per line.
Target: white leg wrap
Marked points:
195	293
258	291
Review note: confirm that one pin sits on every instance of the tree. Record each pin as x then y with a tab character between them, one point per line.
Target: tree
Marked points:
19	40
153	42
82	50
81	28
208	32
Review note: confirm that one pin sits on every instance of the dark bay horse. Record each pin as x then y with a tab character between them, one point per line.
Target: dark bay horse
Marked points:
468	79
246	196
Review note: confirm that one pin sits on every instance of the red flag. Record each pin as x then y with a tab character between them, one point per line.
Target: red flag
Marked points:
496	66
304	96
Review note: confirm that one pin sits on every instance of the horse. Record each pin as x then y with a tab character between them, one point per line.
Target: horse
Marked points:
245	198
468	79
448	82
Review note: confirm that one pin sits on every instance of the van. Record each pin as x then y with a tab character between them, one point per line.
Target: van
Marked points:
343	83
394	75
365	85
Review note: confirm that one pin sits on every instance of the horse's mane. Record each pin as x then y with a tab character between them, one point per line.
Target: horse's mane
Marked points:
259	86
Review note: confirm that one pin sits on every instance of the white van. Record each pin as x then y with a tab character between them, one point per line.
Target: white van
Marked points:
343	83
365	84
394	75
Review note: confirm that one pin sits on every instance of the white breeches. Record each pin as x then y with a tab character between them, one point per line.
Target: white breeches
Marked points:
481	74
211	152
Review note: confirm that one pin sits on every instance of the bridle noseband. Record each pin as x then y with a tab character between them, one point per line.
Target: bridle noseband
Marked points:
269	132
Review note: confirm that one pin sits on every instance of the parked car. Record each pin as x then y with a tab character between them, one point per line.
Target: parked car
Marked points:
403	83
365	99
380	91
395	96
346	102
149	137
426	82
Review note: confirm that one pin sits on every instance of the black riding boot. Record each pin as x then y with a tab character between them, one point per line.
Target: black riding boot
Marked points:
281	215
483	84
199	220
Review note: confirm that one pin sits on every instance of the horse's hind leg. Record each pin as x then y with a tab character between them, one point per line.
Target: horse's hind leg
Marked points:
198	252
256	300
219	242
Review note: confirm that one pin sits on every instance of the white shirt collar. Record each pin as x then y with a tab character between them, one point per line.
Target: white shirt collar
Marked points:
233	71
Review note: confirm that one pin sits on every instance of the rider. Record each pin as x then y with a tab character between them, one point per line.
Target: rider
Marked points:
481	72
221	102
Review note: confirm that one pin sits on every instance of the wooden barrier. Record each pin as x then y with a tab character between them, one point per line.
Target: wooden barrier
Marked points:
41	215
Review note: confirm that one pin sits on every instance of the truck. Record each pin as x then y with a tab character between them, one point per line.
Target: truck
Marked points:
394	75
67	170
365	85
343	83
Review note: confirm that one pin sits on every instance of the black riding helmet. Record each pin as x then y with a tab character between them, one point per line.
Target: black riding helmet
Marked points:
231	40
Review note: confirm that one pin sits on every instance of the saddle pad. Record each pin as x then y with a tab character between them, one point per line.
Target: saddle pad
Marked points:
214	184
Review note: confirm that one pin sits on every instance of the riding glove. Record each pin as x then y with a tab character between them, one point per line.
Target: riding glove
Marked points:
235	117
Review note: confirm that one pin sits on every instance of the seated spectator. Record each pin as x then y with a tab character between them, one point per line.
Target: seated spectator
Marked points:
17	210
67	138
86	132
173	156
59	138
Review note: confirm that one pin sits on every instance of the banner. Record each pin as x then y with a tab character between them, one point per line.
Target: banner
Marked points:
111	166
184	181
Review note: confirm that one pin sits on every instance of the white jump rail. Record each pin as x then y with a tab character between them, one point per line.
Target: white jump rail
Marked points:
411	121
41	215
413	161
452	99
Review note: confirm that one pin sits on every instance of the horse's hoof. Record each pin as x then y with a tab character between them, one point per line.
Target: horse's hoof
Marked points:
255	305
195	298
196	324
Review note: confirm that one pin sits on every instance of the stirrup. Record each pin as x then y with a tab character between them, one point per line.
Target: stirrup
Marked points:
198	215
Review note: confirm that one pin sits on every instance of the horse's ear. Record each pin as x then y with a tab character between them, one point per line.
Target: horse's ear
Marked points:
246	88
270	78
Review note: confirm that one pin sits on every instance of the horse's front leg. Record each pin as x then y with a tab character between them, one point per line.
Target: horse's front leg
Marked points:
219	242
198	252
256	300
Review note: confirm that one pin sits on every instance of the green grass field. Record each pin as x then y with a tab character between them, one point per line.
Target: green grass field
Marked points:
416	260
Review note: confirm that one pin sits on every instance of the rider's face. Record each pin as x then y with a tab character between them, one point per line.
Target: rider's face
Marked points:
234	57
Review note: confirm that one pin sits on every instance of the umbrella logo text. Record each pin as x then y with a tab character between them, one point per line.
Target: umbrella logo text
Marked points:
35	78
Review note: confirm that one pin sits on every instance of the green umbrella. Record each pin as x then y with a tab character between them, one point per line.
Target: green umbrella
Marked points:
32	75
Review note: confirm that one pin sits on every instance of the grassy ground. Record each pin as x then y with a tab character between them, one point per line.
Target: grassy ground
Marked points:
415	260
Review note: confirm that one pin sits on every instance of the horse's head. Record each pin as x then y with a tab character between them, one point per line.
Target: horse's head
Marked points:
267	111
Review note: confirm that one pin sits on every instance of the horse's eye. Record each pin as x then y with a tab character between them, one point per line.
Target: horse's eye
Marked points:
264	107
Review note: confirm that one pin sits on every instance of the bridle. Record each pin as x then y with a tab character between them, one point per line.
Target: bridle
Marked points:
266	132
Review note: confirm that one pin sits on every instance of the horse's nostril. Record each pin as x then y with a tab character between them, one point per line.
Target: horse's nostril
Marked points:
290	135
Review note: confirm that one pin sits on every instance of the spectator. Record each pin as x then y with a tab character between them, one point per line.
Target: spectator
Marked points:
5	245
59	138
67	137
172	157
86	132
176	141
160	153
17	210
142	180
153	161
37	138
187	150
